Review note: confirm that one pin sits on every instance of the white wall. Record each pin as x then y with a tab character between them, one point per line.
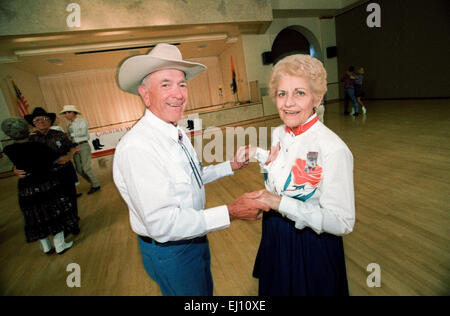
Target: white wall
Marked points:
254	46
328	33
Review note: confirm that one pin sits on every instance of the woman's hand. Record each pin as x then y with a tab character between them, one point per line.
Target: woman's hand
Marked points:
67	157
268	198
247	207
241	157
64	159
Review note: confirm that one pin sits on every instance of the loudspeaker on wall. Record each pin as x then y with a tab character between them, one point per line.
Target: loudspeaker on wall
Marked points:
267	58
331	51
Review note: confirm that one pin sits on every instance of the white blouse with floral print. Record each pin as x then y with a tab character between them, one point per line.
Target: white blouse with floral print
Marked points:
313	172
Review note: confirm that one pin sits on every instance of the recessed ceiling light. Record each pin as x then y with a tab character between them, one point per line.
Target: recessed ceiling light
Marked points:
111	33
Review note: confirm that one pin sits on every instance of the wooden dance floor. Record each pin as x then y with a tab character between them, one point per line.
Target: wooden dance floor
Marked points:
401	151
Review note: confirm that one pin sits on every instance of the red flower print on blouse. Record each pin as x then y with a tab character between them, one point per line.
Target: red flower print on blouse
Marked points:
304	173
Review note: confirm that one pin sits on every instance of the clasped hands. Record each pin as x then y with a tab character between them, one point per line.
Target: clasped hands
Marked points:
250	206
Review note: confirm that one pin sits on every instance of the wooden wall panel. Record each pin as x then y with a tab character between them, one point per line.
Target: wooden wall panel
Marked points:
204	89
199	92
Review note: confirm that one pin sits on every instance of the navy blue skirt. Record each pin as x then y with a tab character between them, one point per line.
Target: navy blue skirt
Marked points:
299	262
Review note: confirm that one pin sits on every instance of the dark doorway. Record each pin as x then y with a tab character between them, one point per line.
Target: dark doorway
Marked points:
289	42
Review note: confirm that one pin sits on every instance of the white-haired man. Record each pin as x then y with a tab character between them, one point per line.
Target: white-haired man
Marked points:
162	180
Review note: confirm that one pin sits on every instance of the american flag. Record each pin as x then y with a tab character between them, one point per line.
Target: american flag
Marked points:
21	102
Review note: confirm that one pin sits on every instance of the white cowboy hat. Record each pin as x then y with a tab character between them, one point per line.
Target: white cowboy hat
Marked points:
162	56
70	108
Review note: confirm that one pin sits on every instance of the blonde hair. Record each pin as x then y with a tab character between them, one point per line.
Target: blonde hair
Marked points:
303	66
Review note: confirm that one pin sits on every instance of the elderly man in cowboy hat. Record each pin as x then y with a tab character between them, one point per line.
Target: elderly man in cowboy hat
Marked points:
162	180
78	129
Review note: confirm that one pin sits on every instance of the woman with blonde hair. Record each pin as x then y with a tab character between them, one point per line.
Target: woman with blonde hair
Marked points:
309	188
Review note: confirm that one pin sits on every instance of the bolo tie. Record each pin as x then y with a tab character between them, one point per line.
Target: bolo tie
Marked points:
198	178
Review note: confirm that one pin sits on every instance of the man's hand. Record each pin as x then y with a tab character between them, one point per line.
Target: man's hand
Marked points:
247	207
20	173
63	160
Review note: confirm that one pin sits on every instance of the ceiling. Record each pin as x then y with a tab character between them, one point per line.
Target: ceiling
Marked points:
46	54
53	53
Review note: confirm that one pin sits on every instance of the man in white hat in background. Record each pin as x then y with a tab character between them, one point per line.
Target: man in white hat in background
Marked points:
162	180
78	129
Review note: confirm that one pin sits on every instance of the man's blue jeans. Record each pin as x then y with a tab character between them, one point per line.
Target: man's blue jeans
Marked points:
179	270
350	93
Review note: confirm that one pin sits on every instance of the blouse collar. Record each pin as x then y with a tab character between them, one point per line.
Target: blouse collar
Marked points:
303	127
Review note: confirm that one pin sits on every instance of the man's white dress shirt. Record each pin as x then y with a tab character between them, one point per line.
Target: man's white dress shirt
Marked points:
313	173
78	129
158	183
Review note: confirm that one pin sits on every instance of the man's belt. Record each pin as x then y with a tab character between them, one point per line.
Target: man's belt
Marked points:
196	240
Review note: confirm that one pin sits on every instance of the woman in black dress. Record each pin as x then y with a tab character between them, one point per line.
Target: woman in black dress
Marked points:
46	207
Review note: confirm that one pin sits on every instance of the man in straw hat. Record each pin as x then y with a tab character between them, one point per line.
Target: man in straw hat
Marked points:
162	180
78	129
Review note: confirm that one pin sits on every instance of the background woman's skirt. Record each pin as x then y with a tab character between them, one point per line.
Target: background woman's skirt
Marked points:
46	208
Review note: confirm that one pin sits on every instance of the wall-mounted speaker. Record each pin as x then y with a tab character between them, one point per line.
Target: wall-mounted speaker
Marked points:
267	58
331	51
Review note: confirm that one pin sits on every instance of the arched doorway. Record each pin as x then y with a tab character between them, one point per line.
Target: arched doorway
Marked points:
295	39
